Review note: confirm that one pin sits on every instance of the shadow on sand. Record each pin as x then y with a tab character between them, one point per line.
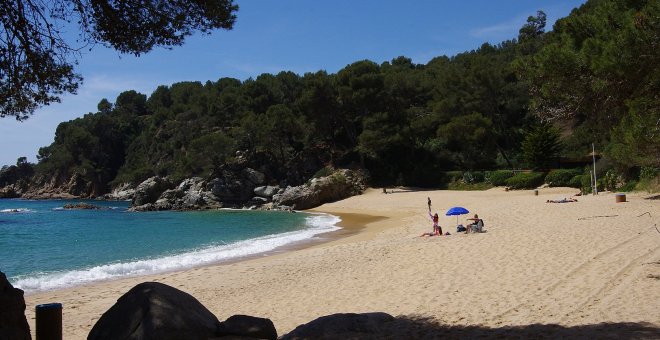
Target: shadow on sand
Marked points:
407	327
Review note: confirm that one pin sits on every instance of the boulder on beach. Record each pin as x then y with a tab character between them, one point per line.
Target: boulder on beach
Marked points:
343	326
153	310
13	324
248	327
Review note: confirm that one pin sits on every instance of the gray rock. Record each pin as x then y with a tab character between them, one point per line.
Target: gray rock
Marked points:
266	191
13	324
343	326
150	190
256	201
154	310
194	183
339	185
248	327
123	192
229	189
254	176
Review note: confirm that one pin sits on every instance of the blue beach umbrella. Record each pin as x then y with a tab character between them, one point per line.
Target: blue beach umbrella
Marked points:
456	211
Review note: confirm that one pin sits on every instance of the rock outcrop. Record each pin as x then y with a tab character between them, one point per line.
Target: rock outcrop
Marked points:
339	185
13	324
150	190
154	310
123	192
243	188
10	191
81	206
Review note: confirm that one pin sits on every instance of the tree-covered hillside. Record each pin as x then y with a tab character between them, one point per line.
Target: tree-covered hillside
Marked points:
595	77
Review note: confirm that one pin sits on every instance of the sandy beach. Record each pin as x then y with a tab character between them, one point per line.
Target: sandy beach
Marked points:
581	269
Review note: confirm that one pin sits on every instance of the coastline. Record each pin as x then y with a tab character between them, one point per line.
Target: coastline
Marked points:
537	263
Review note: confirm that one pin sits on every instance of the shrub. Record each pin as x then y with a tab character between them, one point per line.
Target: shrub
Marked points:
612	180
525	180
648	172
563	178
478	176
323	172
630	186
576	181
469	187
499	177
453	176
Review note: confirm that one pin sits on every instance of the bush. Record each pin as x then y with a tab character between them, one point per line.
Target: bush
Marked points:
647	173
563	178
453	176
499	177
323	172
469	187
576	181
477	176
630	186
525	180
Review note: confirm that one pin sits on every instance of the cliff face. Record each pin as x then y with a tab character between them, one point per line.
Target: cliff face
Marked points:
55	186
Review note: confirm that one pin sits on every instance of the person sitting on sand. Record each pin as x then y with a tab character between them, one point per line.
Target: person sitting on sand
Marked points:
563	200
476	225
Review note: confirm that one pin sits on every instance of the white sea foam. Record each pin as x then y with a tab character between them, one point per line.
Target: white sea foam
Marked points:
316	224
17	210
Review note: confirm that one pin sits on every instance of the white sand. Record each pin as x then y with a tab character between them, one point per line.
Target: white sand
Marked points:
538	263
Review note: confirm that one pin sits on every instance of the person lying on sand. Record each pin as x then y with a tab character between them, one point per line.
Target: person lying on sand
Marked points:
563	200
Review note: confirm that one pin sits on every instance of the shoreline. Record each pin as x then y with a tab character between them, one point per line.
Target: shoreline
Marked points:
538	263
349	224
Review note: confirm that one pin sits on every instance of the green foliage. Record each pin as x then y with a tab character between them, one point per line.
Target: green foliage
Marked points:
498	177
575	182
564	178
525	180
611	180
462	186
404	123
38	63
629	186
597	72
541	146
323	172
648	172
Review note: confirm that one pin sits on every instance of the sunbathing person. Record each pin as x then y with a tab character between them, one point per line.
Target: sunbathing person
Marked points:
563	200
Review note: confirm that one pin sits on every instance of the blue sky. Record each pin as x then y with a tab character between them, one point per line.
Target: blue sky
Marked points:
285	35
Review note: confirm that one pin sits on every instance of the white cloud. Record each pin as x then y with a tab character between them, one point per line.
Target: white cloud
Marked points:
501	31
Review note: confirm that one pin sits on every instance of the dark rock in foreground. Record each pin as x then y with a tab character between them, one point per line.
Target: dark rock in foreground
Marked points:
13	324
154	310
342	326
248	327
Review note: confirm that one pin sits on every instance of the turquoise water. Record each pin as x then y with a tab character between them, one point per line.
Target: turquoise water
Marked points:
44	247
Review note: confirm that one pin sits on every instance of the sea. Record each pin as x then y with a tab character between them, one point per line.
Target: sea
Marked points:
44	246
